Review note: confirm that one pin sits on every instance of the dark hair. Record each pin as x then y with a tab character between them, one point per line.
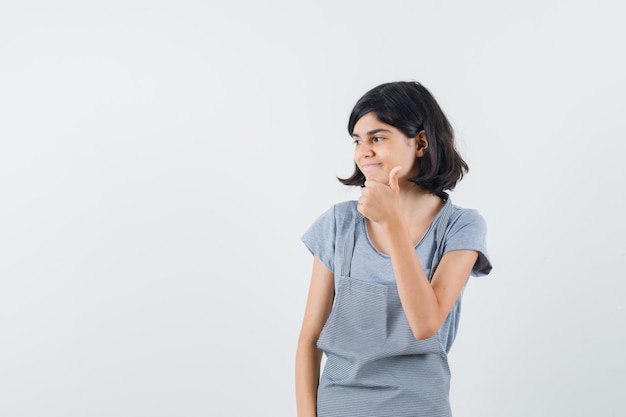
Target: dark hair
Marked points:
411	108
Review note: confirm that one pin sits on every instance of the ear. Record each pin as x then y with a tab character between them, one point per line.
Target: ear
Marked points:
421	144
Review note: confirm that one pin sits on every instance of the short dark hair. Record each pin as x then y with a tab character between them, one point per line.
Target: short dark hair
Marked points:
411	108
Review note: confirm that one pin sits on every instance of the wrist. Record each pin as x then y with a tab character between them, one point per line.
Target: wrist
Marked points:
394	224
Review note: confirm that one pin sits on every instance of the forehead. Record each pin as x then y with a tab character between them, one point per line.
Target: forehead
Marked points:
370	123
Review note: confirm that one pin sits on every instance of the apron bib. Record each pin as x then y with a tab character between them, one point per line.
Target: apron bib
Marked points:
374	365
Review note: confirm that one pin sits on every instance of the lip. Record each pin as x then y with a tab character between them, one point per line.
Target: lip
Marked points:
371	166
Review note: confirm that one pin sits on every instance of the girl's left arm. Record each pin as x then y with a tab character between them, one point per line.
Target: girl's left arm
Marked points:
426	304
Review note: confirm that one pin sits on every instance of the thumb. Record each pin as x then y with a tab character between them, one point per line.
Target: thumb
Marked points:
393	178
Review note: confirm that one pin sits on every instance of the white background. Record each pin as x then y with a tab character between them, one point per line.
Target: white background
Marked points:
159	162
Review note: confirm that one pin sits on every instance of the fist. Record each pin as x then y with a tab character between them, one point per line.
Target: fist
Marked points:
379	201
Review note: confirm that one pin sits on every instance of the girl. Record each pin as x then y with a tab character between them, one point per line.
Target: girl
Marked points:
389	269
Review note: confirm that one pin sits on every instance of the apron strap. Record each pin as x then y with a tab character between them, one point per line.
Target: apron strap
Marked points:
349	246
440	232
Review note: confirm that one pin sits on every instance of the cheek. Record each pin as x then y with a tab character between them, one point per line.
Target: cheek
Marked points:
414	164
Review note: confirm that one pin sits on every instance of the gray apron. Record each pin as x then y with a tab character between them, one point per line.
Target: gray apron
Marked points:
374	365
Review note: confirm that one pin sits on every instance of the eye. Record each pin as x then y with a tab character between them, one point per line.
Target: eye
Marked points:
377	139
356	142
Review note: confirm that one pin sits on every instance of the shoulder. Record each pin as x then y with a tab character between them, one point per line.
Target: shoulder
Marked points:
461	217
328	231
335	217
341	215
467	230
345	211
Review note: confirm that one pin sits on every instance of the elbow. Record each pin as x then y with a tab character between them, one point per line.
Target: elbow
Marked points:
307	343
424	331
422	335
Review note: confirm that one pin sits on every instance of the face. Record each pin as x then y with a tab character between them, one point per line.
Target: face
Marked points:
379	147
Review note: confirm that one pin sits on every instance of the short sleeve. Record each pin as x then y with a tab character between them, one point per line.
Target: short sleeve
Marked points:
468	231
320	238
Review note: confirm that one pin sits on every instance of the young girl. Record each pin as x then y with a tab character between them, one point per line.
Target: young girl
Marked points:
389	269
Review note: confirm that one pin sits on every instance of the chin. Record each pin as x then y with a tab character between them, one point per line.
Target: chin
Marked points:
378	178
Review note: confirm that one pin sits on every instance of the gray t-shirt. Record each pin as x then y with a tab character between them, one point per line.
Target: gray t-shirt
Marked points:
326	238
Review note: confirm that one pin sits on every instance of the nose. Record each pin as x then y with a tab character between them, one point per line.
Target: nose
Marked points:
364	150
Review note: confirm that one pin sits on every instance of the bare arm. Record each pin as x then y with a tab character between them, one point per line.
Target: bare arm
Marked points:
426	304
308	356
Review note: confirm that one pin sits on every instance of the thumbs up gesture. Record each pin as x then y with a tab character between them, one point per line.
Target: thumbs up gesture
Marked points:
380	201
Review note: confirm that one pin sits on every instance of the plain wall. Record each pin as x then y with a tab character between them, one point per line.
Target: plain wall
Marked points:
159	162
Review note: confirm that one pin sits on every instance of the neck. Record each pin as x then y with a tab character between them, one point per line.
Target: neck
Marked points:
416	202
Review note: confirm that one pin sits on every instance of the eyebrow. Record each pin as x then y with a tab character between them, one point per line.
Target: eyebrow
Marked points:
372	132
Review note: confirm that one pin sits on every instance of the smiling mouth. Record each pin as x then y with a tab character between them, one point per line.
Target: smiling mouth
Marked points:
371	166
